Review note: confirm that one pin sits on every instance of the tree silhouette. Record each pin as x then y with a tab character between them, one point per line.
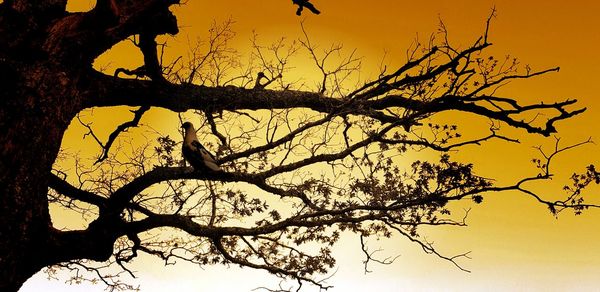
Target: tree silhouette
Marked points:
299	166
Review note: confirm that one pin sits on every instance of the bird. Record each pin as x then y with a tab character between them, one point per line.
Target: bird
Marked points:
305	3
259	77
195	153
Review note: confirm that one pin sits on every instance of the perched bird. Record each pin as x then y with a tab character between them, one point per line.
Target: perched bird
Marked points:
195	153
304	3
259	77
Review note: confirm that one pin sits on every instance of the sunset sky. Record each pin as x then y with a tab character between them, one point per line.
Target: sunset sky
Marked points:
515	243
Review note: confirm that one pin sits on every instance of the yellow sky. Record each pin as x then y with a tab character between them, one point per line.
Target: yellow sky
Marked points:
516	244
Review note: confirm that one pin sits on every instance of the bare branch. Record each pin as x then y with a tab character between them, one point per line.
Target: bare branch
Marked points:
370	256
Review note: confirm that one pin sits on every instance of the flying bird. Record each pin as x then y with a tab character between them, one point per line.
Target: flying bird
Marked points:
305	3
195	153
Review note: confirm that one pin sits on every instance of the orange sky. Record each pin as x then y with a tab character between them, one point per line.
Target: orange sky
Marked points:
516	244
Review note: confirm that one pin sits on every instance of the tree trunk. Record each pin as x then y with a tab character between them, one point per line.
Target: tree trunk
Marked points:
45	58
37	101
33	118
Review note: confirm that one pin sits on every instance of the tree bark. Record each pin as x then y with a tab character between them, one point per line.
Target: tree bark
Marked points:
38	101
33	118
45	64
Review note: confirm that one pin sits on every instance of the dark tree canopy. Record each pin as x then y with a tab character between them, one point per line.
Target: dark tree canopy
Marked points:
299	166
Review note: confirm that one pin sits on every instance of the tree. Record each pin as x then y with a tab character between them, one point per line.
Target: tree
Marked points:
48	79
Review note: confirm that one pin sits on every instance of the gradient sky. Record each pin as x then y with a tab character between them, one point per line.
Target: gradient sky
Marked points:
516	244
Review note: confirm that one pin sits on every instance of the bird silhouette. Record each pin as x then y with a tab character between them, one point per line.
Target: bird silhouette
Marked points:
305	3
259	77
195	153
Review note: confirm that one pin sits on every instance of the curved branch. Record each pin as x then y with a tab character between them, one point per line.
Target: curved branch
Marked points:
73	192
120	129
107	24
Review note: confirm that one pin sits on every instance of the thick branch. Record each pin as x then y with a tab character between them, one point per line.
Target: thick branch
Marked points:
108	23
181	98
75	193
